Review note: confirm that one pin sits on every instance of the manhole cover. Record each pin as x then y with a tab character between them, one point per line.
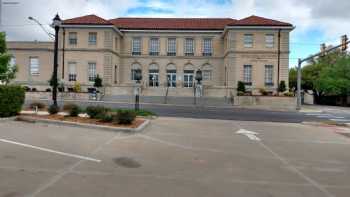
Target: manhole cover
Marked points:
127	162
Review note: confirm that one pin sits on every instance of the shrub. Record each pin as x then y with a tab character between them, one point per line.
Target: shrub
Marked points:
94	111
74	111
48	89
105	117
98	82
34	89
142	112
125	116
263	91
53	109
289	94
11	100
67	107
37	104
77	87
282	86
240	86
240	93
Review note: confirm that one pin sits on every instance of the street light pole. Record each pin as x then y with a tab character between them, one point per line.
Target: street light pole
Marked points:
56	25
299	85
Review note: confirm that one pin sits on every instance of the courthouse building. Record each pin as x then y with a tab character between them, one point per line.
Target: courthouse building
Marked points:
167	51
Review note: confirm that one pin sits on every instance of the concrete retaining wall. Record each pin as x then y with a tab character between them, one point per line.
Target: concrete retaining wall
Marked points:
60	95
267	102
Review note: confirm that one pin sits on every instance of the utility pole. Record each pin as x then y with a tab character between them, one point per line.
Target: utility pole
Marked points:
343	46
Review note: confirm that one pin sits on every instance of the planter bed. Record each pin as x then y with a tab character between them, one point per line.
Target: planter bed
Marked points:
138	124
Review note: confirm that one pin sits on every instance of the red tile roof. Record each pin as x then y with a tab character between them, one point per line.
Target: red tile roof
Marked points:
259	21
87	20
174	23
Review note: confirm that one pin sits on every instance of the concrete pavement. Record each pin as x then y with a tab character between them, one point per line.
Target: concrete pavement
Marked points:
176	157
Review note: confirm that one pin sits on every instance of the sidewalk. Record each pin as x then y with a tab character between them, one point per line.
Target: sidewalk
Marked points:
326	109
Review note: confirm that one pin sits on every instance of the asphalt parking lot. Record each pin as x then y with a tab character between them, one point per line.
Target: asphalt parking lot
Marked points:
175	157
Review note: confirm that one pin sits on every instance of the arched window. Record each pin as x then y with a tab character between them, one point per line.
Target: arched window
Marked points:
207	71
153	75
188	75
171	75
134	69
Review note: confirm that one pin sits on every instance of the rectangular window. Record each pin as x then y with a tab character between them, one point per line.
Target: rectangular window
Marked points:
207	75
269	40
248	40
189	47
13	62
153	78
154	46
247	74
171	47
188	78
72	71
92	71
116	44
92	38
171	78
207	47
72	37
136	46
269	75
34	65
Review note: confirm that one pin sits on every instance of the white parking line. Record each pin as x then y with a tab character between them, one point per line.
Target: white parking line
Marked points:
50	150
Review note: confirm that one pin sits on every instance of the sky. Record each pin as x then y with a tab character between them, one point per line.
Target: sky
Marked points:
316	22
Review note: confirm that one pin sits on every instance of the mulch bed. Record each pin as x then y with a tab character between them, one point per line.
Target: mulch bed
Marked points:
136	123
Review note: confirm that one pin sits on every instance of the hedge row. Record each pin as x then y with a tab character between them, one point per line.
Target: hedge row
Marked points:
11	100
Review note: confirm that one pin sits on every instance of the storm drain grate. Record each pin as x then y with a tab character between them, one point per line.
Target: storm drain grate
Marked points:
127	162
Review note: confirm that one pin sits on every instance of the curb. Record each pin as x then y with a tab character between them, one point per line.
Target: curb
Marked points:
85	125
8	119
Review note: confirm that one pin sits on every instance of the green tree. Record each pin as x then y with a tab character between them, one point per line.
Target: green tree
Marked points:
327	75
7	71
293	73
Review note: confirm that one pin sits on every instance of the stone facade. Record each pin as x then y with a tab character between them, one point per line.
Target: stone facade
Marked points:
111	53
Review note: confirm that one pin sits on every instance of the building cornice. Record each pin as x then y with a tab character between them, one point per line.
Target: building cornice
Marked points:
287	28
170	31
94	26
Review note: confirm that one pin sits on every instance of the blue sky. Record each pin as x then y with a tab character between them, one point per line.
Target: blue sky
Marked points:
315	23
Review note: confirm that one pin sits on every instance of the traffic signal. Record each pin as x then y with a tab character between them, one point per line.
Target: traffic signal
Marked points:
344	40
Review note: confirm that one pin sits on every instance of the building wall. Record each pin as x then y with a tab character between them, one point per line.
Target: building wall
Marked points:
113	58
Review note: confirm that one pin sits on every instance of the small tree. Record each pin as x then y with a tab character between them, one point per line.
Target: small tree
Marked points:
98	82
282	86
240	87
7	71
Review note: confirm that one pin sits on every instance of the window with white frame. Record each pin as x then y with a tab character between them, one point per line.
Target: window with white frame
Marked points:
207	75
136	46
154	46
189	47
171	47
247	74
72	71
73	38
269	75
269	40
153	75
248	40
92	71
188	78
135	69
171	75
34	65
92	38
207	47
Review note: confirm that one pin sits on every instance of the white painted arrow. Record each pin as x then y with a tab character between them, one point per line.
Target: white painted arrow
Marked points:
250	134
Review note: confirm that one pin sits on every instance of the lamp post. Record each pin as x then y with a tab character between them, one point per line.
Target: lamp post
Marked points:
56	25
197	88
138	77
